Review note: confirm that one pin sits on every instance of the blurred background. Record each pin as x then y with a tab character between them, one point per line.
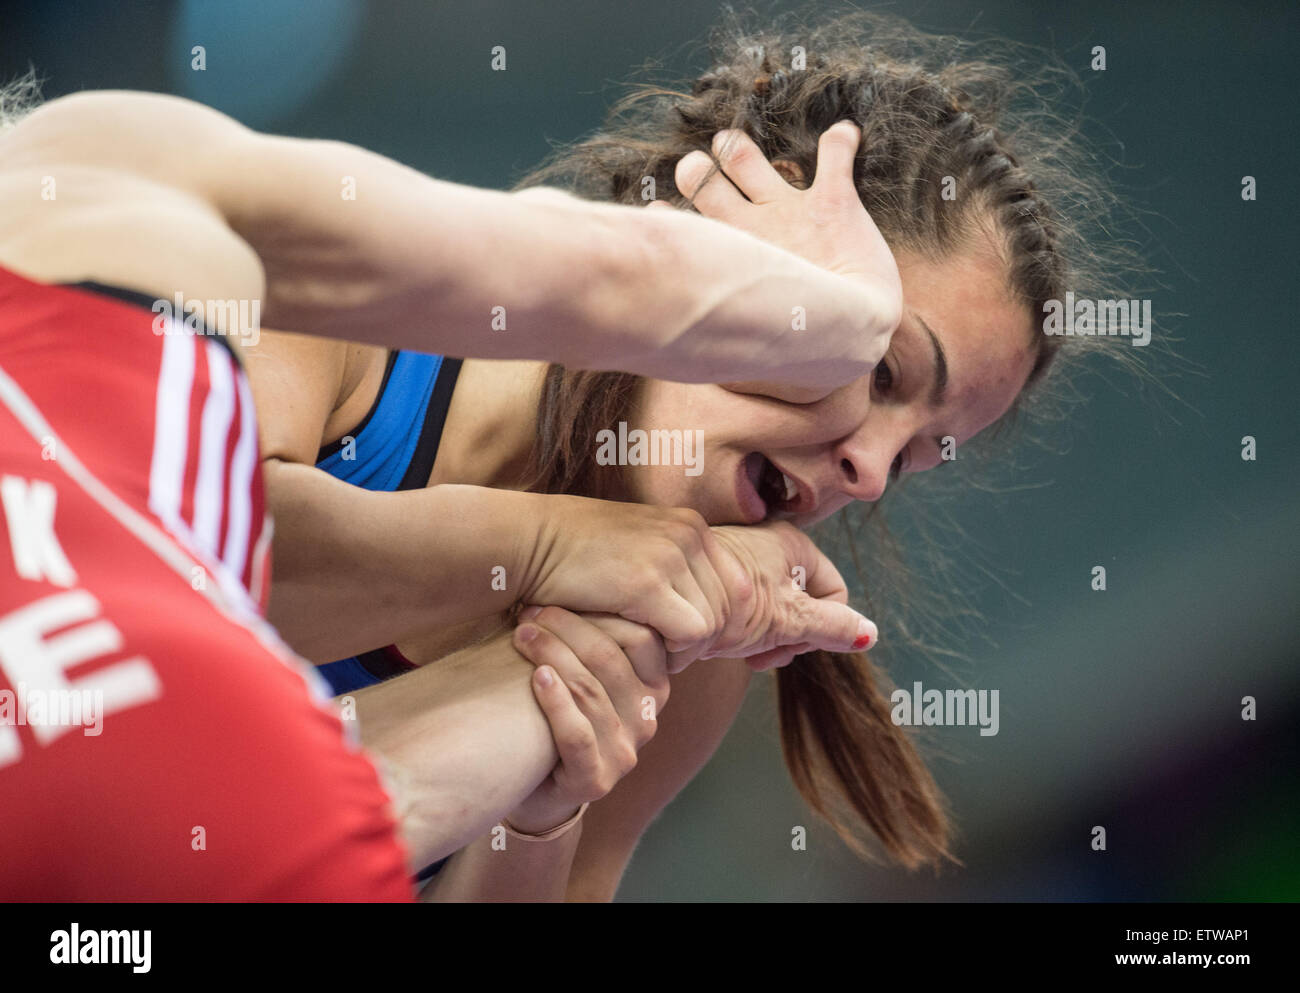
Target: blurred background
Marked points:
1119	708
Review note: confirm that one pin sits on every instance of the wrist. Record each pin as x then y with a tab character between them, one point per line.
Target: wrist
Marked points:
538	521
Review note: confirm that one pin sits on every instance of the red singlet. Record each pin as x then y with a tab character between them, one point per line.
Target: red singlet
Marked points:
157	740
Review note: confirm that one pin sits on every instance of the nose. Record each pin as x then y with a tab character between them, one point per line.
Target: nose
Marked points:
863	464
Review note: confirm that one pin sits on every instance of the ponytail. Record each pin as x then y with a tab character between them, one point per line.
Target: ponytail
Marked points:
846	756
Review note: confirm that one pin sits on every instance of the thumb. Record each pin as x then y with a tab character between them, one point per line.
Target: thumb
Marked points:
833	627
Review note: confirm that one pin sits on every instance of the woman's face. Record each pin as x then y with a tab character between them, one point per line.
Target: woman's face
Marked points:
961	354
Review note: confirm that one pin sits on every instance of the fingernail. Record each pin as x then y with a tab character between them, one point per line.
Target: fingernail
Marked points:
867	635
526	632
528	613
546	676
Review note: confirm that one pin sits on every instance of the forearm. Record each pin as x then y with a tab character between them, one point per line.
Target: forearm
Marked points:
522	871
356	569
462	742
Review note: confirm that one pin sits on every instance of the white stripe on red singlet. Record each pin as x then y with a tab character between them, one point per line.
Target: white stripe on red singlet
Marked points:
172	428
242	464
214	435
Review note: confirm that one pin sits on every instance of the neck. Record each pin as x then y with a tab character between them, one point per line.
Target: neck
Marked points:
491	425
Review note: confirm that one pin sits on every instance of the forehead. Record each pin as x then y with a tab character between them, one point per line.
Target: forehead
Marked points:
987	335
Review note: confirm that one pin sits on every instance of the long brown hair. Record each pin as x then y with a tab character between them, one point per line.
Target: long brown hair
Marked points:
932	116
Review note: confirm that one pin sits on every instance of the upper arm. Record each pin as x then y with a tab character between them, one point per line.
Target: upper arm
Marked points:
344	243
704	702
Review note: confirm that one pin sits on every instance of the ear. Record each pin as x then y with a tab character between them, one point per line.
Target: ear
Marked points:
791	173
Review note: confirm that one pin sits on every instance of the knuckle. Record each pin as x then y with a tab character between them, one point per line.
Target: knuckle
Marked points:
587	755
579	748
599	782
602	655
646	732
800	614
650	585
642	639
691	518
586	689
626	759
743	591
687	539
661	691
688	515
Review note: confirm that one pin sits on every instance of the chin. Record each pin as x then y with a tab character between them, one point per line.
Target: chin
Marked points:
705	494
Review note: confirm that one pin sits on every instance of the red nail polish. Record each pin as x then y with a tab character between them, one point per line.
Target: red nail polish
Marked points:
862	642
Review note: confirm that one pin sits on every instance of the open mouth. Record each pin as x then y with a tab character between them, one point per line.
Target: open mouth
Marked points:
779	493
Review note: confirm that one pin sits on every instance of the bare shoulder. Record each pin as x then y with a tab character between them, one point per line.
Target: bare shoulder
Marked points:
116	187
111	126
310	391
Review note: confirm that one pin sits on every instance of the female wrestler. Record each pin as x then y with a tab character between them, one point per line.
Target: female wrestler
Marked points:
961	192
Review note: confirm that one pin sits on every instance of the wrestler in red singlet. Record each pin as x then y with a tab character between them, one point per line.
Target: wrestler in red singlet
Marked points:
134	568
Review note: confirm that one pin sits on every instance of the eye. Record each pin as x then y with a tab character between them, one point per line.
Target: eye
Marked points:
884	378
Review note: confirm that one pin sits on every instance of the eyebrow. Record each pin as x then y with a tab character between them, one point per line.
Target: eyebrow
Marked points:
938	394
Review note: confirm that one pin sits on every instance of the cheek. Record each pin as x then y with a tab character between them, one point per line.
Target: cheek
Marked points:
661	486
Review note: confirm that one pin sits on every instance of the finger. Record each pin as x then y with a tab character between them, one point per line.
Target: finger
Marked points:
680	621
575	738
707	570
823	581
718	576
748	168
542	646
658	204
837	149
680	661
708	189
604	661
643	647
777	658
689	587
645	650
742	599
833	627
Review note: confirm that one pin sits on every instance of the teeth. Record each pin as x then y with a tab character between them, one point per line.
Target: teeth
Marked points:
791	491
